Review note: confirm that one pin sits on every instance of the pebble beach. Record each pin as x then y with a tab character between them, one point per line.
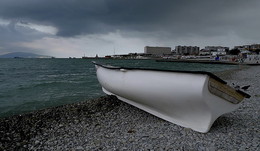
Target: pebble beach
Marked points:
107	123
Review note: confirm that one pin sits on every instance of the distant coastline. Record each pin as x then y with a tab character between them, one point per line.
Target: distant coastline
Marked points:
207	62
23	55
192	60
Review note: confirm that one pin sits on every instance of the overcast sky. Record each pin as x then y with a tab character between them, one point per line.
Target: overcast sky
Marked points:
74	28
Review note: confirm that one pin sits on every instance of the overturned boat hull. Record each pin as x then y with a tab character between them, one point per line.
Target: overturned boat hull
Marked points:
189	99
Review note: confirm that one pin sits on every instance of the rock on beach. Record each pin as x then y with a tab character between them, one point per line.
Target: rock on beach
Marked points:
107	123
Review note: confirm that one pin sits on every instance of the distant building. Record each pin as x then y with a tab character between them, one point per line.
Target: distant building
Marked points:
204	52
241	48
187	50
255	47
219	52
252	47
157	50
216	48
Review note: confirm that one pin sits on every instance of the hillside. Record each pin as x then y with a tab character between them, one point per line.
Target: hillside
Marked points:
23	55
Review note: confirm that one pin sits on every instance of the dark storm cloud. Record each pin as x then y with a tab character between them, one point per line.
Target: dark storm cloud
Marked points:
173	17
12	34
92	16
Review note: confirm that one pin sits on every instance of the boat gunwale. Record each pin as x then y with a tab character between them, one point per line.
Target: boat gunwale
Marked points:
211	75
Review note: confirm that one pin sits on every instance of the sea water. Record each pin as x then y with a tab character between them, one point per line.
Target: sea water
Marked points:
32	84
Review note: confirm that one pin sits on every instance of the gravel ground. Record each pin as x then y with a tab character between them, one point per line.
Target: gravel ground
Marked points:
109	124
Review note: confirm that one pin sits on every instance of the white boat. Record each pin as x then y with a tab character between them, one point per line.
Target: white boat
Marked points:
191	99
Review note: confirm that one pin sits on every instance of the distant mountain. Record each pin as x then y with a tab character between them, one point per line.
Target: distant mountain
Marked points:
23	55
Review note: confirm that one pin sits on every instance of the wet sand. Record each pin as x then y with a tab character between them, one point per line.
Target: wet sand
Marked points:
107	123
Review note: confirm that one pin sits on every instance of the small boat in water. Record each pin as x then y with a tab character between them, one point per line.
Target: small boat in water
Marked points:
192	99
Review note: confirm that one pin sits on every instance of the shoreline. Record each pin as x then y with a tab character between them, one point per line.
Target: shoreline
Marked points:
107	123
207	62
